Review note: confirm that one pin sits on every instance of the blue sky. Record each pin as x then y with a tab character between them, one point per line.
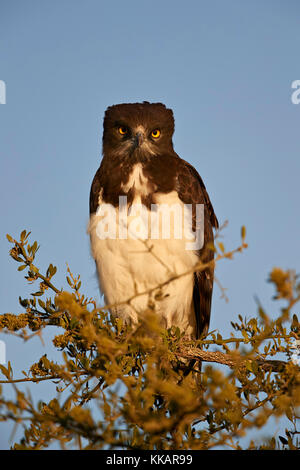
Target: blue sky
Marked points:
225	68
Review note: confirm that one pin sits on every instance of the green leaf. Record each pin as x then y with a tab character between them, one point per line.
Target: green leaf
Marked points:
10	369
51	270
23	302
4	371
295	322
221	246
34	248
244	333
42	303
77	287
20	268
45	361
254	367
23	235
243	232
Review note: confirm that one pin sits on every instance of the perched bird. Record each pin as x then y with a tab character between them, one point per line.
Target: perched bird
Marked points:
141	185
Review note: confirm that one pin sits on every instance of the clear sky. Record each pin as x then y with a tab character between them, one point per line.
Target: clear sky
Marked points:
225	68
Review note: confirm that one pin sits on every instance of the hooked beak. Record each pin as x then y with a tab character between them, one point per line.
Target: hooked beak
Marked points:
138	139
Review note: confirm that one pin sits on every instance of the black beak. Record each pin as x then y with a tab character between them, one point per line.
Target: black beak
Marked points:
138	139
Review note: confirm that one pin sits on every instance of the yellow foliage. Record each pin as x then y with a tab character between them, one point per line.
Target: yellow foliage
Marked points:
141	379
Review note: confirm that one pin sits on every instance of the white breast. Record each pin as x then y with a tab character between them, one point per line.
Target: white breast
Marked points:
137	181
130	263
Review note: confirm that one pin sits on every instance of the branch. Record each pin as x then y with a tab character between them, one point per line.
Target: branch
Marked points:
40	379
229	360
30	379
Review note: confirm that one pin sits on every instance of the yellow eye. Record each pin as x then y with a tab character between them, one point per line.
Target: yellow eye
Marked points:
155	134
123	130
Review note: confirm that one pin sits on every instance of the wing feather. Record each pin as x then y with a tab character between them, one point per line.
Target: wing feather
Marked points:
191	190
95	191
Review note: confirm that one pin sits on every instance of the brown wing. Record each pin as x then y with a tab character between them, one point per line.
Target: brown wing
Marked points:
191	190
95	190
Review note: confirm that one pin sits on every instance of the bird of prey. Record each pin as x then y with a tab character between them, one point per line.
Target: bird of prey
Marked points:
140	170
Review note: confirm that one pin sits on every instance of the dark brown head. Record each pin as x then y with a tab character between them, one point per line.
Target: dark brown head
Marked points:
137	130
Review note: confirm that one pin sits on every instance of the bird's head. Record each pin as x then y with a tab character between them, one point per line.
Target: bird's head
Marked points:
137	130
